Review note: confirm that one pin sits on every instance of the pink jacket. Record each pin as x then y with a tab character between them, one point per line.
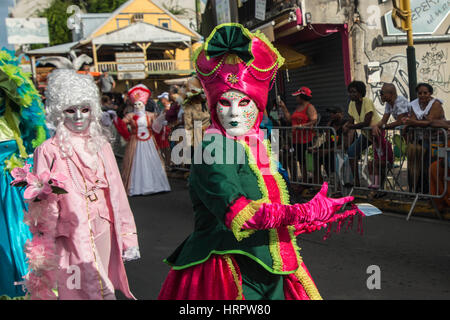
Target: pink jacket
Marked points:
73	233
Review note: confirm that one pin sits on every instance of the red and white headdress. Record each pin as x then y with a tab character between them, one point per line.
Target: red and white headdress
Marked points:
139	93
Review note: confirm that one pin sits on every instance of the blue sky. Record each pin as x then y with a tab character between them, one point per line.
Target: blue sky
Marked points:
4	4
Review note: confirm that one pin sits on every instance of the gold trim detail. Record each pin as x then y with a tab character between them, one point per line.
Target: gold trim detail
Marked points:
307	284
229	261
243	216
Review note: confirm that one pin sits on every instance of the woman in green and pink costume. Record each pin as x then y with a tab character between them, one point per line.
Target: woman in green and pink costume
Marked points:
244	240
22	129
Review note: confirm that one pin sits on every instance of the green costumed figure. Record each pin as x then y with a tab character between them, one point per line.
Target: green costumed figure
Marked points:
22	129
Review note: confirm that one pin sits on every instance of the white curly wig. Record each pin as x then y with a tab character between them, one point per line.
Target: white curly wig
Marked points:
66	88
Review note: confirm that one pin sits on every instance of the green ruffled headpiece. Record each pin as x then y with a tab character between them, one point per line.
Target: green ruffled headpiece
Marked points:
18	95
234	58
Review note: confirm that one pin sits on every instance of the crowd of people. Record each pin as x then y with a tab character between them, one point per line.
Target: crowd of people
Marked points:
183	106
66	226
410	119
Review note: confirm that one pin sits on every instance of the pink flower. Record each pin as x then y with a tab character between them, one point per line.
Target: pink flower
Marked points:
20	174
40	286
40	253
58	179
38	186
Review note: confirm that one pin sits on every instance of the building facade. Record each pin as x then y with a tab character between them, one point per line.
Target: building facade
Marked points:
140	41
345	40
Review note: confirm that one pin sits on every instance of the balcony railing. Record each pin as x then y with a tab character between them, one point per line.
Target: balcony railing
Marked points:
151	66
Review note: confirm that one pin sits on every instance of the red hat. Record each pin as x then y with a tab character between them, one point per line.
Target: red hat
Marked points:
234	58
139	93
303	90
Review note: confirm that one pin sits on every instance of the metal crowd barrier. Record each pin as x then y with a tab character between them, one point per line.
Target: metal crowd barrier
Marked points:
309	155
400	157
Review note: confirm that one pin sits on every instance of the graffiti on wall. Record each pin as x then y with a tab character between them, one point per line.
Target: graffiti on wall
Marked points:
434	69
393	70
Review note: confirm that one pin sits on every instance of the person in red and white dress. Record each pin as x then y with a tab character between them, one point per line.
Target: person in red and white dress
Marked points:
142	168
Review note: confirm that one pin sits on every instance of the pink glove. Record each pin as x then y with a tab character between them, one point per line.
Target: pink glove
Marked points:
319	209
312	215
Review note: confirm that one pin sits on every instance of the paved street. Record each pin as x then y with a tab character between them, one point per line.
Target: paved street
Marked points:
413	256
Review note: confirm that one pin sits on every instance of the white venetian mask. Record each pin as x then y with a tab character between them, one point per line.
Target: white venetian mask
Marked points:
139	106
77	118
236	112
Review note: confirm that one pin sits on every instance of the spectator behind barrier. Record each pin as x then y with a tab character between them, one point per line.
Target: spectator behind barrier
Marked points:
362	114
423	110
324	152
395	105
437	174
274	113
304	116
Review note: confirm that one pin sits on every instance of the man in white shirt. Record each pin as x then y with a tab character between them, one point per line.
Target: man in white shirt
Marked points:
397	106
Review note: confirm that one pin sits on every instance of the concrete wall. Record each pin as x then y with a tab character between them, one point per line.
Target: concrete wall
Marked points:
366	24
432	59
328	11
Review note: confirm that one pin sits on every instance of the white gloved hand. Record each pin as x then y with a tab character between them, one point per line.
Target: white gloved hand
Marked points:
112	113
106	119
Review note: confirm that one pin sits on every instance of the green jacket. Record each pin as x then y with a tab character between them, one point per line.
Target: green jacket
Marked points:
213	189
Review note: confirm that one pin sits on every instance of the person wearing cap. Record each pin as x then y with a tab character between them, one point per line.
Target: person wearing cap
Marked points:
164	98
142	169
304	116
362	115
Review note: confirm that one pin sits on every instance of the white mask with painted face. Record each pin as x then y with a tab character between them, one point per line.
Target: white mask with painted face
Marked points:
236	112
77	118
139	107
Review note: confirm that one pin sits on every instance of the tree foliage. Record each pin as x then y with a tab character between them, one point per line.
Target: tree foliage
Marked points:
174	8
57	16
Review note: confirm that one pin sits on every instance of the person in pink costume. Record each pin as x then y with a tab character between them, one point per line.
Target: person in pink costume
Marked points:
91	229
244	242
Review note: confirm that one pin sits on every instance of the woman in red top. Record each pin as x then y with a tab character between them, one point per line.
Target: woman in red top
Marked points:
304	116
